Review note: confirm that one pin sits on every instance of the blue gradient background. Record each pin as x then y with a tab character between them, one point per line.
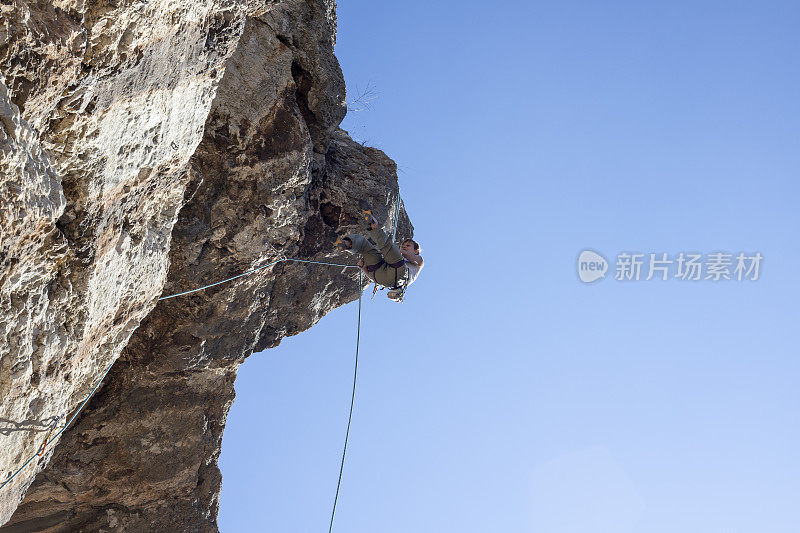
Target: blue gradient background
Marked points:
514	398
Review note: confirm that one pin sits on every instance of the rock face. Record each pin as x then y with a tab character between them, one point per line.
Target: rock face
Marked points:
149	148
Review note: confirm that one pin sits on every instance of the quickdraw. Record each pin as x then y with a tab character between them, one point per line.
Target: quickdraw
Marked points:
47	437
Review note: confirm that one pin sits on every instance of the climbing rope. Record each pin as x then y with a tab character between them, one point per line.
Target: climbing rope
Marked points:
49	441
352	402
254	270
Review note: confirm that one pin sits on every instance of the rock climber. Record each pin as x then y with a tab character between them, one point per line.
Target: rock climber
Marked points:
387	265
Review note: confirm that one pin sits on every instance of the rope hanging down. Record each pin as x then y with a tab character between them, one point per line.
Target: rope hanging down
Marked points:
352	402
47	441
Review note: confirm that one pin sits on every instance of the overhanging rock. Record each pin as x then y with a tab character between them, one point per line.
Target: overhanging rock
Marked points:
172	145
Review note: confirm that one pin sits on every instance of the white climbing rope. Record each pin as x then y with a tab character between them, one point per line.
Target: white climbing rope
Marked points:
254	270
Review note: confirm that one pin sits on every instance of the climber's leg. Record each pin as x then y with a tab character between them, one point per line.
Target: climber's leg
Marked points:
389	251
362	246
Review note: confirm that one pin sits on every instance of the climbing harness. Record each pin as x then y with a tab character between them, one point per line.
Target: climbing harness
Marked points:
372	268
398	282
376	266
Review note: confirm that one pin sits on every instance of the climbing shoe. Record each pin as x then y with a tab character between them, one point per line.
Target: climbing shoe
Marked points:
366	213
343	244
396	295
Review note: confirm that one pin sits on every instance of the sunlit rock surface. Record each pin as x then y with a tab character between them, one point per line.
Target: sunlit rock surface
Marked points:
148	148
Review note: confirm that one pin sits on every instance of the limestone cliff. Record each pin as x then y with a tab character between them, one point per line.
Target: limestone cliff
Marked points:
149	147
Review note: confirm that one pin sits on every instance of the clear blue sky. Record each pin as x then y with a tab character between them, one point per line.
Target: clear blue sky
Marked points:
505	395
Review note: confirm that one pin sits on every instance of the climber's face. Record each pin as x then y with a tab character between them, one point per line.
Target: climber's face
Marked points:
408	246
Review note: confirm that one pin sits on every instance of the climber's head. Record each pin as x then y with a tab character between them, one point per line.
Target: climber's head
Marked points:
410	245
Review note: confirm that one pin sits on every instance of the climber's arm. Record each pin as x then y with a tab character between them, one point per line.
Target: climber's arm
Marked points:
414	258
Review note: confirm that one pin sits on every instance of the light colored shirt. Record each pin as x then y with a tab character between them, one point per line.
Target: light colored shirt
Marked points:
413	272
